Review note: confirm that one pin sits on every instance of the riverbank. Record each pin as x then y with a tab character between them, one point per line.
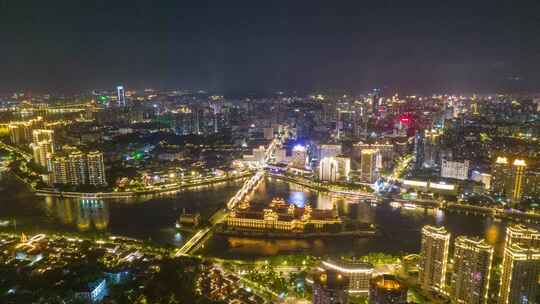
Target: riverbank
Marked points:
130	194
295	235
500	214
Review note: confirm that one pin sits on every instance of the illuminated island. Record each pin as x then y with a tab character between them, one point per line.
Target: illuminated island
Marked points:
282	219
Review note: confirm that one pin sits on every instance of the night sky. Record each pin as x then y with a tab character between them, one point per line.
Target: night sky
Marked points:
266	46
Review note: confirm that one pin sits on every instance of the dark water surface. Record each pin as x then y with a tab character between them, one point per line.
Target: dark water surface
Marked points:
153	218
148	218
399	228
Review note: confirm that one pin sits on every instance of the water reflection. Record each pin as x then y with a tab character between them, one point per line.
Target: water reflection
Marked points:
439	217
399	228
298	198
84	214
324	201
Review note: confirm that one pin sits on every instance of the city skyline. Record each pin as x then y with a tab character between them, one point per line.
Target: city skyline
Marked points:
289	152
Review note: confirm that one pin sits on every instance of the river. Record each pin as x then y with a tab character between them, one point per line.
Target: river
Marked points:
148	218
152	218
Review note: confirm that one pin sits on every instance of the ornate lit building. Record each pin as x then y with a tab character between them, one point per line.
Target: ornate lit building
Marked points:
281	216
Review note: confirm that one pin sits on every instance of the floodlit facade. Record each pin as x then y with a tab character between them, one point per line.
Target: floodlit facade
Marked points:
59	169
42	146
121	96
472	271
520	266
96	169
344	167
280	155
519	278
386	289
386	153
519	171
358	273
520	234
39	135
433	258
368	169
259	154
78	168
20	132
41	151
455	169
501	173
328	169
299	157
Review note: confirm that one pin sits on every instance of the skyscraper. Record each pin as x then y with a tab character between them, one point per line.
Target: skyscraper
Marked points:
78	168
433	258
42	150
522	235
519	278
280	155
344	167
368	166
472	270
299	157
419	149
19	132
376	101
328	169
518	173
432	148
520	266
41	135
455	169
259	154
59	168
385	150
121	96
96	169
42	146
500	172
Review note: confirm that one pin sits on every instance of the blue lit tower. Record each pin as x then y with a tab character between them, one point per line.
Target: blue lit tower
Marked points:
121	96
